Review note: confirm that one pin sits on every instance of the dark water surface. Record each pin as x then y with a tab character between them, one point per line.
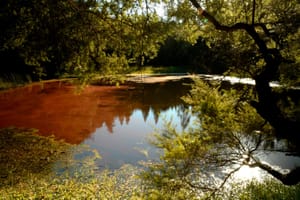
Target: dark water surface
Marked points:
114	120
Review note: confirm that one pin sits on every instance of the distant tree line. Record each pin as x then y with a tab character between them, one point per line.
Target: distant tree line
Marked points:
196	58
50	39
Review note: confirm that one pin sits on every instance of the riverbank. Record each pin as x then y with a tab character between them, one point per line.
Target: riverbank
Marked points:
158	78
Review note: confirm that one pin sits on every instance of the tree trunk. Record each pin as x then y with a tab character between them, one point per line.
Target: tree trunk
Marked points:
266	105
290	178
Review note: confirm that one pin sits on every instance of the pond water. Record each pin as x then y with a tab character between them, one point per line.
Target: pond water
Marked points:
117	121
114	120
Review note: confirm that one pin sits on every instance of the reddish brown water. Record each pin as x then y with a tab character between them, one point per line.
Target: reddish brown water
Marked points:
56	108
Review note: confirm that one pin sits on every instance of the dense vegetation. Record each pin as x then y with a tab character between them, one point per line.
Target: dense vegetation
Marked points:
250	38
52	39
48	39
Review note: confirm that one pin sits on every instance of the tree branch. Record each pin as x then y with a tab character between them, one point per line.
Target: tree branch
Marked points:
216	23
267	104
291	178
238	26
253	12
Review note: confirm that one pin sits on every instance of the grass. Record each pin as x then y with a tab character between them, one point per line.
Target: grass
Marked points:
13	80
7	85
160	70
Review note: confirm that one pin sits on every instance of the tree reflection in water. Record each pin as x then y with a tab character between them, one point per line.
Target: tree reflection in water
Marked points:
128	113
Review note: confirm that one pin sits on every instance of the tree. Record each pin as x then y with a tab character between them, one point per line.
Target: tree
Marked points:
52	38
44	35
196	58
271	40
233	125
271	45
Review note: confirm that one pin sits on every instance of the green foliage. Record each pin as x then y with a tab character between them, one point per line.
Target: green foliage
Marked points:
195	58
160	70
13	80
75	38
35	167
215	142
78	37
268	189
275	23
223	111
171	177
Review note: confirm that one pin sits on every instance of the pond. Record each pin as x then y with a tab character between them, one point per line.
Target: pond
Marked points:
117	121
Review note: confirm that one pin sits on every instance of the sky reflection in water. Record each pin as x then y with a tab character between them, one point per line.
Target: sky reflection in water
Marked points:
128	141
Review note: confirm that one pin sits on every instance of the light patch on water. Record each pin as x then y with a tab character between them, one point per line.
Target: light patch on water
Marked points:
247	173
237	80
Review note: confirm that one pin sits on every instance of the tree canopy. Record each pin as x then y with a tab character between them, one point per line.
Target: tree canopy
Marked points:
50	38
269	39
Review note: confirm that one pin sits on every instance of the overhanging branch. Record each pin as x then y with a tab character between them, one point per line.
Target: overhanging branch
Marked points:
291	178
216	23
267	104
249	28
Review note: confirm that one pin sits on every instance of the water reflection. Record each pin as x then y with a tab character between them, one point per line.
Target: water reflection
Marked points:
114	120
